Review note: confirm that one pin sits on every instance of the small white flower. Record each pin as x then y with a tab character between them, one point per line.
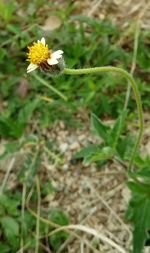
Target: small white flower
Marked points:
39	55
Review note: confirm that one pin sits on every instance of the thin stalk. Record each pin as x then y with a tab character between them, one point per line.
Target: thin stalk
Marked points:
50	87
136	39
22	218
38	215
10	167
135	90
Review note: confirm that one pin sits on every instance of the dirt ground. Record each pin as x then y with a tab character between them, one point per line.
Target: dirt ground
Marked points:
93	196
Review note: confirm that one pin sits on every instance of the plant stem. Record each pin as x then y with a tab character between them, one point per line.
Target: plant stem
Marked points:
135	90
136	40
22	218
50	87
38	215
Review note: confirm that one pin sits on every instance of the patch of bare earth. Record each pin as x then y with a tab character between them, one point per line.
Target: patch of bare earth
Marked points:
93	196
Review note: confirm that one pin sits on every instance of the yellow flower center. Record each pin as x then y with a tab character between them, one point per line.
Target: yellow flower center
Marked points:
38	53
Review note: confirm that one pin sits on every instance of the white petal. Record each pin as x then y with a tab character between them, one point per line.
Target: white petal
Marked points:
57	54
43	41
52	61
31	67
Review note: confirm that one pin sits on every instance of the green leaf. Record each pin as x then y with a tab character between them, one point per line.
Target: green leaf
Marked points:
139	214
48	188
124	147
86	151
117	129
10	128
14	28
58	239
9	205
58	217
143	163
10	148
138	188
140	233
99	128
6	10
143	172
95	153
4	248
27	111
30	166
102	154
10	227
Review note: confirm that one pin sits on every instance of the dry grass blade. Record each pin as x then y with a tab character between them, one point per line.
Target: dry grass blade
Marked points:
93	232
94	8
112	212
71	238
22	218
39	218
11	164
38	215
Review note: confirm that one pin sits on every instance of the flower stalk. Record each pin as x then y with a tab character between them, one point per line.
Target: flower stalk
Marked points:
136	94
41	56
50	87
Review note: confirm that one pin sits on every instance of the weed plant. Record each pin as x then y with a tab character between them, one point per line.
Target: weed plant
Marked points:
25	99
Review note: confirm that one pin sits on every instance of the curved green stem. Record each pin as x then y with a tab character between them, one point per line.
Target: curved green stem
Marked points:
135	90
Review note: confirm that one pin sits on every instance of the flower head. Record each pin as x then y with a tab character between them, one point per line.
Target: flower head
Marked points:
40	55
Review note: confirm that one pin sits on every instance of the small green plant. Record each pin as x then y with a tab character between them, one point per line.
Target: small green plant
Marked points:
25	99
113	144
6	10
9	223
109	137
60	218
